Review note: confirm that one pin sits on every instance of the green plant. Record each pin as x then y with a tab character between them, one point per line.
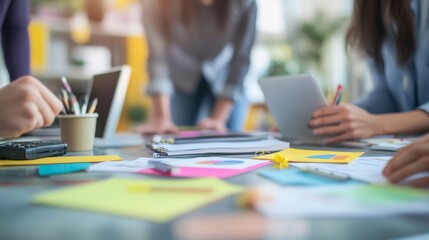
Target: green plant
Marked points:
137	113
310	38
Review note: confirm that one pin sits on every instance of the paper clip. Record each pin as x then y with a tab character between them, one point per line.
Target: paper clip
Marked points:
259	153
169	141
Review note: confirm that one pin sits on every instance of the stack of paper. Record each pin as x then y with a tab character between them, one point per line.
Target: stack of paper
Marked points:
248	147
208	136
153	200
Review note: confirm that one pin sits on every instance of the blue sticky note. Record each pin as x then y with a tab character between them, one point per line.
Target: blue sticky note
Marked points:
294	176
53	169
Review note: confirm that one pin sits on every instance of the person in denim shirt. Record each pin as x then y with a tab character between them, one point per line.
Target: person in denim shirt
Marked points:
394	37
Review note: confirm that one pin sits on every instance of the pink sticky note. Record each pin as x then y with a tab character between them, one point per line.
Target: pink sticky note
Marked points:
189	134
203	172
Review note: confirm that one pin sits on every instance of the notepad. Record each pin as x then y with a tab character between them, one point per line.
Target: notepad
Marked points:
54	169
247	147
118	197
62	159
314	156
294	176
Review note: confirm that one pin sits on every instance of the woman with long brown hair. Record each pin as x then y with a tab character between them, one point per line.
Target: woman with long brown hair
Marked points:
199	54
394	37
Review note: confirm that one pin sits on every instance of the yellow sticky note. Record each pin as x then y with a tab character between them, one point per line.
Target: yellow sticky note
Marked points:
313	156
114	196
61	159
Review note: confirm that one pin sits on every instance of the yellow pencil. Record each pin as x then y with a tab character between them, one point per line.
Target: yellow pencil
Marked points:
93	106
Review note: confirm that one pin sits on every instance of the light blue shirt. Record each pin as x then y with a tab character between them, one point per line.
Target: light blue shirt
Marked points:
401	88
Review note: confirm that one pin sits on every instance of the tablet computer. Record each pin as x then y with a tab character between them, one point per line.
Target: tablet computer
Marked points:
292	100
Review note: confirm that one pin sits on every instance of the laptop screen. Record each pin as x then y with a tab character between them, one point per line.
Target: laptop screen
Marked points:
104	87
110	90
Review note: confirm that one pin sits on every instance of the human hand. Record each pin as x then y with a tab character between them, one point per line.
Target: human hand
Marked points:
26	104
344	122
157	126
408	161
212	124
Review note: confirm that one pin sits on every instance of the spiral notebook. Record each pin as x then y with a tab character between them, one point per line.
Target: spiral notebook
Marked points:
185	137
258	147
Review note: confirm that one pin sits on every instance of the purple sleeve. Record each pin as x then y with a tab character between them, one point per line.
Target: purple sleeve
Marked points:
15	39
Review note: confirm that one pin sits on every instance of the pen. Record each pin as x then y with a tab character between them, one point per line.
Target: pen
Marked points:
66	85
75	105
338	95
93	106
164	167
65	100
339	98
85	104
326	173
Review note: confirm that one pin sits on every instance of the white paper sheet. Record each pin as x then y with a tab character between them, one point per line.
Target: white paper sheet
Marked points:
213	162
367	169
121	166
342	201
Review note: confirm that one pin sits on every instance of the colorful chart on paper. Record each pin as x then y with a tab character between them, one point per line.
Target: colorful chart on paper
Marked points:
220	162
213	162
314	156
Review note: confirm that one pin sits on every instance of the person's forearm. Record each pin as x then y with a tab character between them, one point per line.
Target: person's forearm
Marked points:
161	107
404	123
222	109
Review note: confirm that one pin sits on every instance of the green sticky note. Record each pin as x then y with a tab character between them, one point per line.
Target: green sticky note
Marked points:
161	201
54	169
385	194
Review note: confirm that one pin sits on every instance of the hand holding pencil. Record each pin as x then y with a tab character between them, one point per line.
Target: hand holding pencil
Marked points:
344	122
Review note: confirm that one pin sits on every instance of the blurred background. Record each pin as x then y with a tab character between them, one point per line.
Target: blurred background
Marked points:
80	38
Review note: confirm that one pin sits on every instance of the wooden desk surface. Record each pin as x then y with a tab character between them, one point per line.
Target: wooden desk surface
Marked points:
19	219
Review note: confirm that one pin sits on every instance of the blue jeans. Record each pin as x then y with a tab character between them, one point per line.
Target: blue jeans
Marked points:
189	108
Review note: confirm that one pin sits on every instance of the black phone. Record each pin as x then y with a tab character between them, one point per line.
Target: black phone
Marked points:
16	150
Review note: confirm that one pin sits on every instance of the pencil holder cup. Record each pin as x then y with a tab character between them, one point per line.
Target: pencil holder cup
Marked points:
78	131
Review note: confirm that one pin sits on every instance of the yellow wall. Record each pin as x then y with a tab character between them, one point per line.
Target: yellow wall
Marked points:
39	40
136	51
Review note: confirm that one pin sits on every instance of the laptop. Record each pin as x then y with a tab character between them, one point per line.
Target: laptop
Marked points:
110	88
292	100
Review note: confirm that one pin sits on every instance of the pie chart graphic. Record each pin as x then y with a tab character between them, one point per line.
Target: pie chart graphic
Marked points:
328	156
221	162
